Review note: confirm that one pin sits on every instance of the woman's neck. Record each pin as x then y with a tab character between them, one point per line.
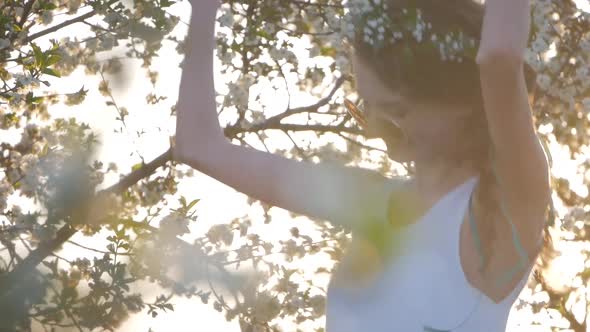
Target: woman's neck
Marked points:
433	180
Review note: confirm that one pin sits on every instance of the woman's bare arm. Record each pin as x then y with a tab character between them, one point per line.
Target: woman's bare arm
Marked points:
198	126
519	159
339	194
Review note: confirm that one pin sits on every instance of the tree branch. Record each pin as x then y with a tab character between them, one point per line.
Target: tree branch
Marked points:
59	26
26	11
12	280
63	24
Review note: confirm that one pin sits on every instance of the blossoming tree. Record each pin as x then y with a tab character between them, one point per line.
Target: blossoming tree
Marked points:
54	162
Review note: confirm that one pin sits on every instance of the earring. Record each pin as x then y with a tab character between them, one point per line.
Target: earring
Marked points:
358	116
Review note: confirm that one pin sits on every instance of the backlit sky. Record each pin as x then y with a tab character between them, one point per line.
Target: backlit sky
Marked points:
191	314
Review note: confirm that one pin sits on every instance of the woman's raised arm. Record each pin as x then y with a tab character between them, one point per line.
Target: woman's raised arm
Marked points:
339	194
199	125
520	163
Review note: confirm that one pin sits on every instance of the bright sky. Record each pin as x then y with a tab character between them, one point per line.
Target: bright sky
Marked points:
216	197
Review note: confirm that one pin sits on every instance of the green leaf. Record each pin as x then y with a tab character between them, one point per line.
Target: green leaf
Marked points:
39	57
137	166
263	33
166	3
31	99
328	51
53	59
45	150
51	72
192	204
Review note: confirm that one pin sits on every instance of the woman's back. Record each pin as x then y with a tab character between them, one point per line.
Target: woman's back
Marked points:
422	287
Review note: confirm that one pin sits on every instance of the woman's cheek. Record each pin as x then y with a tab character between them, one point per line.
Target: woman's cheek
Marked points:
435	132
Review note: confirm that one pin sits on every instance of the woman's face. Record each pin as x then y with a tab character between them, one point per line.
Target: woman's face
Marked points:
412	130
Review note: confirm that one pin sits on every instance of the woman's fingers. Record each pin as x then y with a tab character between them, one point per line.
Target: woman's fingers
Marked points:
205	4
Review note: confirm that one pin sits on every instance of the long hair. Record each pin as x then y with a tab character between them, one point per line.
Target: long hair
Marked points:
425	76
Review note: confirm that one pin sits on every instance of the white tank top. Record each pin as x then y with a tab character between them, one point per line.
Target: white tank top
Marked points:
424	289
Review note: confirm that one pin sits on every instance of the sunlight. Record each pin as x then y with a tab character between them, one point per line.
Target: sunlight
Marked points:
220	204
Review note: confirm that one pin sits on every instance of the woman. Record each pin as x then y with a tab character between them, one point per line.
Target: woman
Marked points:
465	230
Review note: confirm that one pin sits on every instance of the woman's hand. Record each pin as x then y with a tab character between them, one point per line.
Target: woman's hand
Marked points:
197	125
205	5
202	24
505	30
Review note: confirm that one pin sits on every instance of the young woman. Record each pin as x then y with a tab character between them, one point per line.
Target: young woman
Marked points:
468	225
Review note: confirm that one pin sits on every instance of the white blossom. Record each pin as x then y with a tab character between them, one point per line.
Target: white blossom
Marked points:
28	162
238	95
226	20
46	17
372	23
15	157
342	62
567	93
539	45
23	79
278	53
554	66
91	43
314	51
583	73
49	135
226	57
16	98
174	224
5	191
257	117
543	81
417	33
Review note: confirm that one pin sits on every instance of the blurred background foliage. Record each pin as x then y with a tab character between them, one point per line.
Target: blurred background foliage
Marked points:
228	267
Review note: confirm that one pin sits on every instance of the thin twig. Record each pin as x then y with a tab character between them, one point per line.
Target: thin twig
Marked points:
96	250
